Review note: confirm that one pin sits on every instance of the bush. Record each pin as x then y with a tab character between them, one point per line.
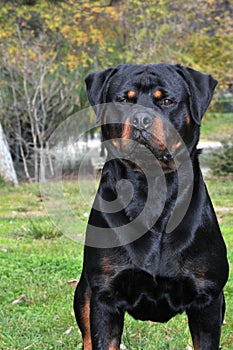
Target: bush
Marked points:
2	182
224	106
41	230
221	162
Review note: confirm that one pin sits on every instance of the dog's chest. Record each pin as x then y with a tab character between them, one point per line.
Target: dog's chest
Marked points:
158	299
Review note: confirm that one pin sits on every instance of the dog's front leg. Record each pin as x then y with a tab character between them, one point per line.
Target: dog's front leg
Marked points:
205	325
82	299
106	323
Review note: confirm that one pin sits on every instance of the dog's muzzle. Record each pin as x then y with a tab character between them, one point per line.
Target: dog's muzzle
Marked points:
142	121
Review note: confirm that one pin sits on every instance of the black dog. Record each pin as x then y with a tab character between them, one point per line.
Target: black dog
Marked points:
169	258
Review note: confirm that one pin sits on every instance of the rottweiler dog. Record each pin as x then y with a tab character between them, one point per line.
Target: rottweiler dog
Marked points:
153	244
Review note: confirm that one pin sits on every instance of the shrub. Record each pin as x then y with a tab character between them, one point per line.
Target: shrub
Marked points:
221	162
2	182
40	230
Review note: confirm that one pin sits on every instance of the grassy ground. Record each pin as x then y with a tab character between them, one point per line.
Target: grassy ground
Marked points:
217	127
37	263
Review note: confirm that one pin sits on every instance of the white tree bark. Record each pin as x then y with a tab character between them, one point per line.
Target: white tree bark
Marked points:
7	171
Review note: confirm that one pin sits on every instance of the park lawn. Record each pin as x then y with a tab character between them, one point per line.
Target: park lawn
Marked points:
40	268
217	127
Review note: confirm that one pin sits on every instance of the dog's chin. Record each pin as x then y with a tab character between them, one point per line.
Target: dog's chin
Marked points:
153	159
146	158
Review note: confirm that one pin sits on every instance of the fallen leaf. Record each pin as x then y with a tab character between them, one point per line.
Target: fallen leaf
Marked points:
68	331
188	347
73	283
21	299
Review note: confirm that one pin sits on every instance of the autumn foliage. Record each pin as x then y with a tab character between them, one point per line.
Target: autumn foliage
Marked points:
47	47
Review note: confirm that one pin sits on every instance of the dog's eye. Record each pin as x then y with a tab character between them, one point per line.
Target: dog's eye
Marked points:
123	100
166	102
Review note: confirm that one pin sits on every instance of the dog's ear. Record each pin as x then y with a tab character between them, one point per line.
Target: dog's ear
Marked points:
201	89
97	83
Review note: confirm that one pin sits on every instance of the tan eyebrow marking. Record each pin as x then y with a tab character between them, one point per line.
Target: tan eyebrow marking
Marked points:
131	94
157	94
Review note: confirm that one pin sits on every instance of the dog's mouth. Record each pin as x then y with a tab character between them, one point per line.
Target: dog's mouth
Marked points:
145	151
145	139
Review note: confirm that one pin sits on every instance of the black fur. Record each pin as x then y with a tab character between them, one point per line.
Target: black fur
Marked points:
164	271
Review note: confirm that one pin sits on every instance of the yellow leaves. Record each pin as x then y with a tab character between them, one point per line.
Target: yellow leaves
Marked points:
110	49
32	56
81	33
210	2
77	16
47	16
71	62
4	35
65	31
54	68
56	22
12	51
83	27
13	60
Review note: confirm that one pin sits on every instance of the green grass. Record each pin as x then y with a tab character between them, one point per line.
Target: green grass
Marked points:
217	127
39	268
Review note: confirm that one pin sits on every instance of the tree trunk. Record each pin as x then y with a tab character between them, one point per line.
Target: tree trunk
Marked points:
7	170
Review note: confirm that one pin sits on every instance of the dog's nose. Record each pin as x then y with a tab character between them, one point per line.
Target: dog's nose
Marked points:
142	121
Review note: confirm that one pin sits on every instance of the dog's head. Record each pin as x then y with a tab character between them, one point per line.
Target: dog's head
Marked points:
146	103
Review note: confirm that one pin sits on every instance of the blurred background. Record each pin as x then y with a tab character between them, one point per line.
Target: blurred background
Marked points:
48	47
46	50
